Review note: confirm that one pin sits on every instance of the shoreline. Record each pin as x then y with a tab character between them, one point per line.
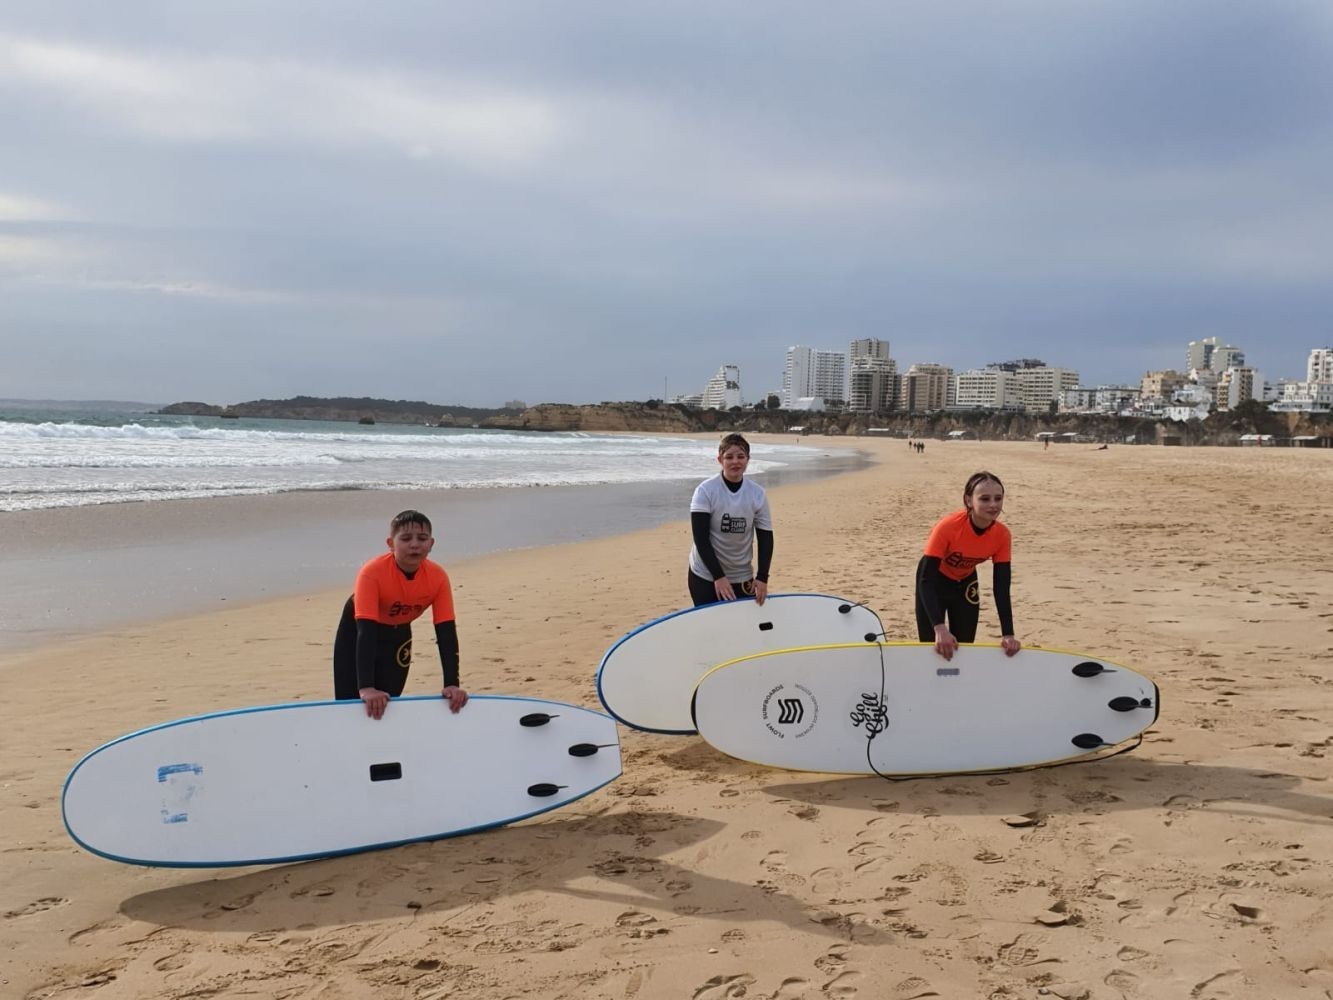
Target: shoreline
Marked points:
81	570
1197	866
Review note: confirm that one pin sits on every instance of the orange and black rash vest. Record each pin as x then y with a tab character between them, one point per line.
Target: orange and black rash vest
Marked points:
955	548
958	547
385	595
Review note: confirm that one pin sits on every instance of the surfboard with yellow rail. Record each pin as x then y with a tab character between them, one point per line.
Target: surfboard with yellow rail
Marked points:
900	709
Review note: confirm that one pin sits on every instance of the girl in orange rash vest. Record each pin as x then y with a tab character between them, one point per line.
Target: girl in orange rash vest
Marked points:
948	599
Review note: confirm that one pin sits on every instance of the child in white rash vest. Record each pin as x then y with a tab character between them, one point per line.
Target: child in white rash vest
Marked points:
728	514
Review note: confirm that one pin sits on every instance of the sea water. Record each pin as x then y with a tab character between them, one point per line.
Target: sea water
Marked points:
267	508
63	457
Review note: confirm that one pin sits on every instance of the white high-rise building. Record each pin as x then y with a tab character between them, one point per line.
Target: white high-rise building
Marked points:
723	390
985	389
1213	355
809	373
1320	366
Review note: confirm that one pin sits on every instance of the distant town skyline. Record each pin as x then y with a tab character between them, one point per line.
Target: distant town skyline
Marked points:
1208	353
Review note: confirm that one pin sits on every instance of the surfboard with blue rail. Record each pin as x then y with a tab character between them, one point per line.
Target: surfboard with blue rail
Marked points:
646	679
314	779
900	709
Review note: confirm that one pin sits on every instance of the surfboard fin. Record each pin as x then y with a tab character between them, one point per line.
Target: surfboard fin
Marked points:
1127	704
534	719
1090	668
1089	741
544	789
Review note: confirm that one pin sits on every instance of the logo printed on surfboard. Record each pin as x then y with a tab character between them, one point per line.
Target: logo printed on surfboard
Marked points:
784	706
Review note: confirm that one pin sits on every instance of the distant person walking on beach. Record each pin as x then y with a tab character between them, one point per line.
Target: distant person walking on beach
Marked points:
372	651
948	598
728	513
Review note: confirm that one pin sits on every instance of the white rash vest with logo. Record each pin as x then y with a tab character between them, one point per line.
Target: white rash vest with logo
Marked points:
734	516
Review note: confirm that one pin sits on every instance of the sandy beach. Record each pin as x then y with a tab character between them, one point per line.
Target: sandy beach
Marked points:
1197	867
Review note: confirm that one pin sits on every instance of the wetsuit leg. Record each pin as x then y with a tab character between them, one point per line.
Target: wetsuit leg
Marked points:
344	655
961	606
393	658
701	590
965	609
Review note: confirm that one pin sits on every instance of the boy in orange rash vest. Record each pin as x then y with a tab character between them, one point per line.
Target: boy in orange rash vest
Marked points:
372	651
948	600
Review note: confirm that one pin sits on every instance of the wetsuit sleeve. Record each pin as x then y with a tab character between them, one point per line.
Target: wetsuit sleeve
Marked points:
701	523
446	637
1003	574
765	539
367	643
928	571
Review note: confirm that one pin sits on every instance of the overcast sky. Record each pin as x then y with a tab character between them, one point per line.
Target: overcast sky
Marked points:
562	201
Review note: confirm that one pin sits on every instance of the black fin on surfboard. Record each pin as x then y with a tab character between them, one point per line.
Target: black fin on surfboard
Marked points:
543	789
1127	704
586	749
1090	668
1088	741
533	719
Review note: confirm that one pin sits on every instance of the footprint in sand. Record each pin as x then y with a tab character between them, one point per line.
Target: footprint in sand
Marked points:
845	985
826	881
792	988
1223	986
1119	979
97	928
832	960
37	906
172	962
914	988
1023	951
721	987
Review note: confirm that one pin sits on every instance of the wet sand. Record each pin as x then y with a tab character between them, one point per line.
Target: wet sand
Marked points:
1197	867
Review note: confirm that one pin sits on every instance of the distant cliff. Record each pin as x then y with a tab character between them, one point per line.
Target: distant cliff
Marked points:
654	416
344	408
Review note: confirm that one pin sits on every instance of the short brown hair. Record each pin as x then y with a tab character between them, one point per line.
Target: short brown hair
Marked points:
733	439
408	517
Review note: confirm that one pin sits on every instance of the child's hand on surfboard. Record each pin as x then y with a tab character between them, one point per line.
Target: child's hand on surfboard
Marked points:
455	696
375	700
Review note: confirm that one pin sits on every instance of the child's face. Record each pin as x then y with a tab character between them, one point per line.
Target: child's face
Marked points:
734	462
410	545
987	502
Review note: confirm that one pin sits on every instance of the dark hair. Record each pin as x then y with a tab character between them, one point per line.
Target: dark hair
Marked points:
733	440
975	480
408	517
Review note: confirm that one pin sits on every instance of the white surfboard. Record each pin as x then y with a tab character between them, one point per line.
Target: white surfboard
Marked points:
647	678
310	780
900	709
